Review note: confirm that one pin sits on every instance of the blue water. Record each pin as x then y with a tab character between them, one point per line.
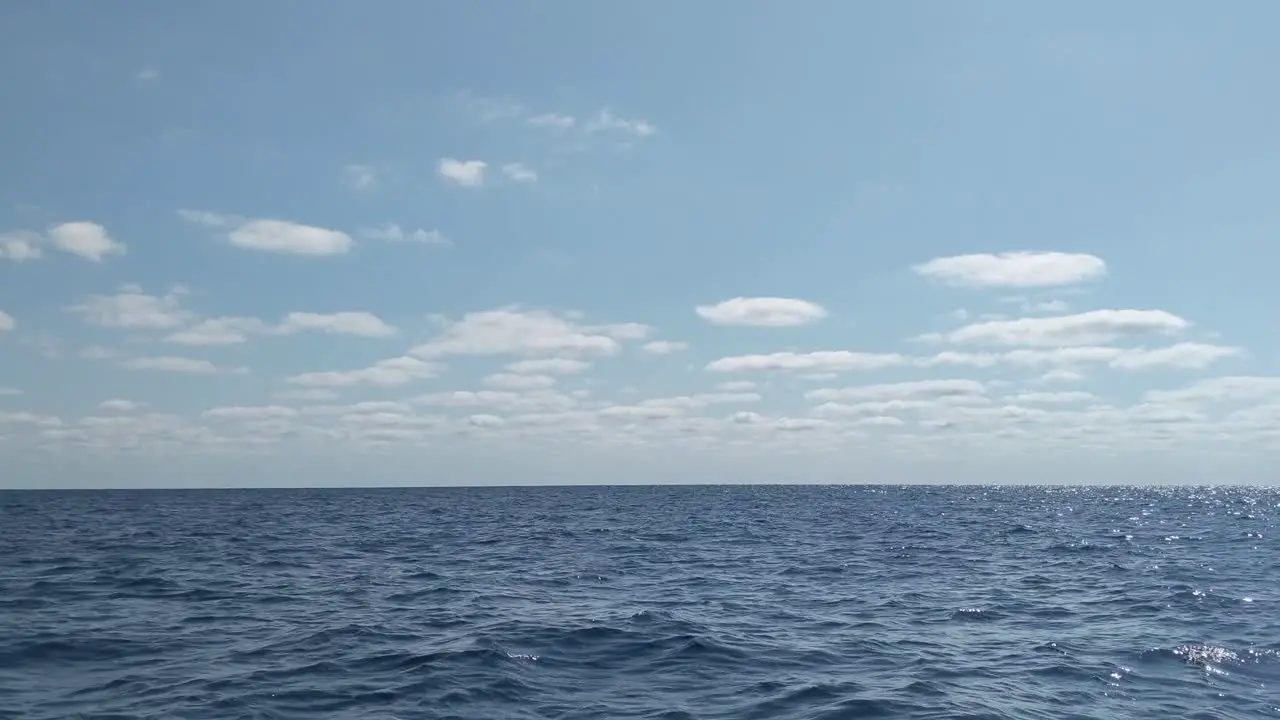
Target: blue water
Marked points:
641	602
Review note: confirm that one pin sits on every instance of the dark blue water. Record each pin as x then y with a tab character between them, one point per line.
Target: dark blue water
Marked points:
664	603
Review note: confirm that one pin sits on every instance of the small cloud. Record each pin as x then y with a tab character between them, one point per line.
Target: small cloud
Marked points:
520	173
7	322
20	246
208	219
553	120
361	177
120	406
762	312
168	363
606	121
147	75
392	232
1020	269
664	347
466	173
85	239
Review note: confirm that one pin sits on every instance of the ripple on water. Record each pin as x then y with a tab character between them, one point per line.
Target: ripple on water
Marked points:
674	603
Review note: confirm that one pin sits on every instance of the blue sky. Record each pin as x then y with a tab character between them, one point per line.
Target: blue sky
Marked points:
483	242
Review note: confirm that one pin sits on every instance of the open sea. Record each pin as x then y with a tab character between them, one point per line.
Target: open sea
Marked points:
666	603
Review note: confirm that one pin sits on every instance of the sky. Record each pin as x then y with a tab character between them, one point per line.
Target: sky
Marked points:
425	243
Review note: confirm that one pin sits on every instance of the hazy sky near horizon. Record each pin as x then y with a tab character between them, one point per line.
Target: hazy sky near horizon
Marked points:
407	242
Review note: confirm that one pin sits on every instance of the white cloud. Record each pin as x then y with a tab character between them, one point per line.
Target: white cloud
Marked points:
289	238
736	386
553	120
549	366
1219	389
1060	375
819	361
147	75
1087	328
1185	355
1053	398
509	331
466	173
120	406
7	322
361	177
394	233
358	323
307	395
606	121
1022	269
622	331
640	412
787	424
20	246
86	240
664	347
762	312
392	372
218	331
250	412
914	390
519	381
701	400
273	236
168	363
131	308
486	421
233	330
208	219
1182	355
518	172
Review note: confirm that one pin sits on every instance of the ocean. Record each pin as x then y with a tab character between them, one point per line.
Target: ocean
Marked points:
665	603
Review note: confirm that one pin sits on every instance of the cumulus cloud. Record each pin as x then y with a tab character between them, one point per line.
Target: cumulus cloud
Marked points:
548	366
131	308
219	331
553	120
762	312
7	322
519	381
250	412
664	347
361	177
357	323
913	390
1087	328
120	406
86	240
169	363
607	121
1053	398
234	330
519	172
391	372
1021	269
1185	355
1219	389
464	173
20	246
818	361
392	232
273	236
290	238
510	331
